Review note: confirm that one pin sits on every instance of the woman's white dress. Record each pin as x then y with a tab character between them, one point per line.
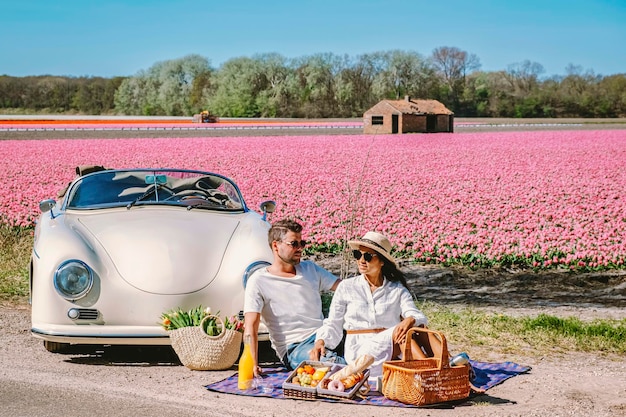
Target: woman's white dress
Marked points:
356	307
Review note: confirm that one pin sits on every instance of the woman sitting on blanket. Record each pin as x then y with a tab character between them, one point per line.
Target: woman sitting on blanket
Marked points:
375	308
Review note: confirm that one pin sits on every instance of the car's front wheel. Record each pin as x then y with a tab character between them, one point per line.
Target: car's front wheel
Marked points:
55	347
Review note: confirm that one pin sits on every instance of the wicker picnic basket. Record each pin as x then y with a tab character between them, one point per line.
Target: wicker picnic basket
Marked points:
201	352
425	381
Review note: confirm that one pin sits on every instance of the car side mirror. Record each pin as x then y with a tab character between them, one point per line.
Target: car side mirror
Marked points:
47	206
268	207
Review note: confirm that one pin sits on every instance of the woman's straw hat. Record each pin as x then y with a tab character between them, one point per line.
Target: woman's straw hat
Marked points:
375	241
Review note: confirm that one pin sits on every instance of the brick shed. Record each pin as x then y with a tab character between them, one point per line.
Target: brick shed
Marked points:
408	116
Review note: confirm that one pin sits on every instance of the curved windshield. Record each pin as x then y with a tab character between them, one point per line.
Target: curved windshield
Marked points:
193	189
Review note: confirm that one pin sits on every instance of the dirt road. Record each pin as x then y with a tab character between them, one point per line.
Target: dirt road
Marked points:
150	381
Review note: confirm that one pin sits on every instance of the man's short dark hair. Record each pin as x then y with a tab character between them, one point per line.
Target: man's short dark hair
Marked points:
280	228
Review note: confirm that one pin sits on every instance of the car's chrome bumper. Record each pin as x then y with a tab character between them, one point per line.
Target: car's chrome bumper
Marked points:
108	336
101	338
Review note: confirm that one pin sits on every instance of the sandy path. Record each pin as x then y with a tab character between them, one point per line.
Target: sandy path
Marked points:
148	382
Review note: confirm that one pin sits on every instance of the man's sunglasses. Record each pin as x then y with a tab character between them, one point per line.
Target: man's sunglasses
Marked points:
366	255
295	244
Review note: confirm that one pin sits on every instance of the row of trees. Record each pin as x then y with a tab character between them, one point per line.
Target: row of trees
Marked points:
87	95
324	85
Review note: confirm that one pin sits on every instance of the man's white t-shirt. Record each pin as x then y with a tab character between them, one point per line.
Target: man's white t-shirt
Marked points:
291	308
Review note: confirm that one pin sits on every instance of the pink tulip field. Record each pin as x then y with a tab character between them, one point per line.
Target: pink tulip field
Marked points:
539	199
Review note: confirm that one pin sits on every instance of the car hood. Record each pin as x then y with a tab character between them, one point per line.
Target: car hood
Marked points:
161	253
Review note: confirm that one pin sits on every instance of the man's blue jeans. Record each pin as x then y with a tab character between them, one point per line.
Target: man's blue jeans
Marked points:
298	352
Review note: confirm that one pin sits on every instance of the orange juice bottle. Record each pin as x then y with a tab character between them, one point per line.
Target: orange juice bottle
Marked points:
246	366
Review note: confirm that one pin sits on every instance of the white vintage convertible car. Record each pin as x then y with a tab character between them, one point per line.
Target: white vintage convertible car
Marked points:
124	246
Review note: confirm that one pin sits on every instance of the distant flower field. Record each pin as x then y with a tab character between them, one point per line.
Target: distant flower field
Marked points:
531	199
150	124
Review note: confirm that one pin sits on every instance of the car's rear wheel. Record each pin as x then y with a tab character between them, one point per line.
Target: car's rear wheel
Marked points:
55	347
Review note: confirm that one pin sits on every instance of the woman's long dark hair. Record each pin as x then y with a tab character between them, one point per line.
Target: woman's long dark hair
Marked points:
392	273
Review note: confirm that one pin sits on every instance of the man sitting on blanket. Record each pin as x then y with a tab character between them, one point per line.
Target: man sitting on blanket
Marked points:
286	297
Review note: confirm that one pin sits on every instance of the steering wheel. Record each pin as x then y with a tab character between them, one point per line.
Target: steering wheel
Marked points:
191	197
187	195
214	195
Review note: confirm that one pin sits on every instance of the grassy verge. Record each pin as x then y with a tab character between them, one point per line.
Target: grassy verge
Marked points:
478	332
15	248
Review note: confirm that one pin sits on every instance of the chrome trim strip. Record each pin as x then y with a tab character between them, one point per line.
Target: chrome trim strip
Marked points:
98	336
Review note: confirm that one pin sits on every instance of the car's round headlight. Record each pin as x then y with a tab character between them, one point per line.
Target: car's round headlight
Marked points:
73	279
251	268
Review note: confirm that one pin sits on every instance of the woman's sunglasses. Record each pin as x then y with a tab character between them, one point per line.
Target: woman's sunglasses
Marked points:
366	255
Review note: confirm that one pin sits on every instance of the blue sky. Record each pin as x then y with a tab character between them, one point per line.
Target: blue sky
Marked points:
115	37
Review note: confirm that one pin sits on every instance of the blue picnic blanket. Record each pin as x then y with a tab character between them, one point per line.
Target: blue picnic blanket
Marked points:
486	375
